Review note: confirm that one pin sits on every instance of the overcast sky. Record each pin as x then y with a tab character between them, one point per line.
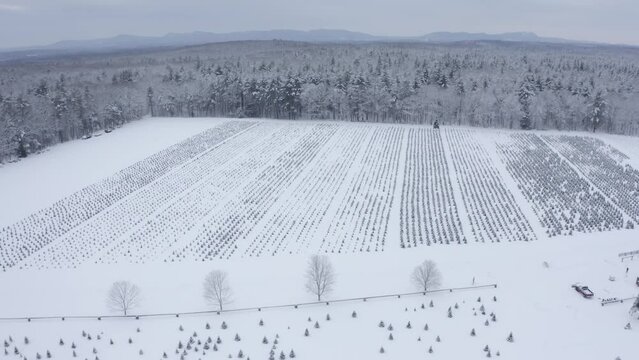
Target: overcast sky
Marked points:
39	22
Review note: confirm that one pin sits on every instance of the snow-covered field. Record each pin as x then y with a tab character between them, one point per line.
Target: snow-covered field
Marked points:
526	211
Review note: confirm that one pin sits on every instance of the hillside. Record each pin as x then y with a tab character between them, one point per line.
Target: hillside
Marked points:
163	201
130	42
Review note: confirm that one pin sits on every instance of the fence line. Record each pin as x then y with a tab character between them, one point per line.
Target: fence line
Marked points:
256	308
617	301
629	254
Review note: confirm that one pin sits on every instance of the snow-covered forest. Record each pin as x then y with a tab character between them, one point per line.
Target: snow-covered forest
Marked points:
486	84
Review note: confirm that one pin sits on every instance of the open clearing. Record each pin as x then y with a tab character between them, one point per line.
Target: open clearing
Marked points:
163	201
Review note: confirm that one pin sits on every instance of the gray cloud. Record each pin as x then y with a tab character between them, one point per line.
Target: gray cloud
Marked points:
11	7
32	22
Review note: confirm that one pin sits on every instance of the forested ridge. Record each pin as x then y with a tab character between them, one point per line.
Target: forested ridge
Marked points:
488	84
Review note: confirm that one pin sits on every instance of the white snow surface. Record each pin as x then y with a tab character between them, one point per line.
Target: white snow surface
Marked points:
548	319
71	166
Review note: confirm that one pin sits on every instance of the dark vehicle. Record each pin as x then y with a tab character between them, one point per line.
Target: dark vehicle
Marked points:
637	282
584	291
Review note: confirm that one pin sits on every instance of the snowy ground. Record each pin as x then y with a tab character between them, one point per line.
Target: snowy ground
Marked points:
536	303
67	170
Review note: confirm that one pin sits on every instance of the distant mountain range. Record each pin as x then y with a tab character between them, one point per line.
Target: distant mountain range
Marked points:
199	37
127	42
512	36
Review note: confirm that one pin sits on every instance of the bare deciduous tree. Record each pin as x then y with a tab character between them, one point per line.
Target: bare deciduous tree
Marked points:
216	289
426	276
123	297
320	276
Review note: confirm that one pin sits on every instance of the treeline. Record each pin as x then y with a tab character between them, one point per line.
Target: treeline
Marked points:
482	84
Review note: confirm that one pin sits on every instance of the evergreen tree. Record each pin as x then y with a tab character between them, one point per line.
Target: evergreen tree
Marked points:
460	90
150	101
634	310
597	111
526	94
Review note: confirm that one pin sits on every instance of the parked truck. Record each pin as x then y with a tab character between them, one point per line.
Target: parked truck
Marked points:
584	290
